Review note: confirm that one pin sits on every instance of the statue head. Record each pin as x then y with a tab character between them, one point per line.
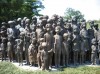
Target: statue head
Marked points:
41	17
3	40
46	17
75	29
68	26
55	17
22	34
11	23
19	21
44	45
74	20
48	27
65	36
34	19
34	41
83	25
96	26
10	38
41	40
3	27
27	21
44	22
3	23
91	23
93	41
50	21
57	29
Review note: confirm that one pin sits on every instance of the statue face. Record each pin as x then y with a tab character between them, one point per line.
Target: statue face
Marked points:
75	30
65	37
68	26
83	26
12	26
22	37
57	31
48	29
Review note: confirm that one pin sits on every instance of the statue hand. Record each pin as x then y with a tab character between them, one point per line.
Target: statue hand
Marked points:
42	61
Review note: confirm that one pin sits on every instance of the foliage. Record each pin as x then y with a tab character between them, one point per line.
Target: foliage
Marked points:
70	13
8	68
12	9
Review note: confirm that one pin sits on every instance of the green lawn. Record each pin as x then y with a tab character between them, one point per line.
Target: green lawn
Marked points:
8	68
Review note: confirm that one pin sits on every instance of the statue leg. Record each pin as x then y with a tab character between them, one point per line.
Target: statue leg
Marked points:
2	55
56	59
74	57
39	60
99	57
34	58
9	56
67	59
92	58
95	58
83	54
26	54
21	55
50	59
80	57
43	65
47	64
64	58
18	57
59	55
12	56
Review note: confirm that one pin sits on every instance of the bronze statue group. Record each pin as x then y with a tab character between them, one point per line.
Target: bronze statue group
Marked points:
51	41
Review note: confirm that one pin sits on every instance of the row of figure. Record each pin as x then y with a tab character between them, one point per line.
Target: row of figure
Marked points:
44	40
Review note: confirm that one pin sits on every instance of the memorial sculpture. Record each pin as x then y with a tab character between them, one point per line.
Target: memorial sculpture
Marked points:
49	42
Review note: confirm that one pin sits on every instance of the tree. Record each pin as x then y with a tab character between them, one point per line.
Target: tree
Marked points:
12	9
70	13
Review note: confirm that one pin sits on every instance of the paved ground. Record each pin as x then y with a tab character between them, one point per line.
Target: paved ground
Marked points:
28	68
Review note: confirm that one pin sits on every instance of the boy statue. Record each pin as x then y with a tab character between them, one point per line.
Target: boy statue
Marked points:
32	52
94	52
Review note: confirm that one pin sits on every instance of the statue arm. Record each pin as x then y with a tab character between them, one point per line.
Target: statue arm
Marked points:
7	31
44	37
50	51
1	46
52	42
42	57
54	45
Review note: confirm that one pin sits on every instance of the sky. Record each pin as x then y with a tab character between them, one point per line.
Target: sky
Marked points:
90	8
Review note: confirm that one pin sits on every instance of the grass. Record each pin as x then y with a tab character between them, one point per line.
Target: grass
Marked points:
8	68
